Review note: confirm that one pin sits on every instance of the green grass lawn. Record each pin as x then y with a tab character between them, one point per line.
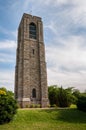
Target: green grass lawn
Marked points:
47	119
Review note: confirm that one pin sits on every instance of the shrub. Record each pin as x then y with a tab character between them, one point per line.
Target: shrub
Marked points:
27	106
32	105
8	107
37	105
81	103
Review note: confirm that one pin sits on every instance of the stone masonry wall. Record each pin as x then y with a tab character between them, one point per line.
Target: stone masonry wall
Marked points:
30	70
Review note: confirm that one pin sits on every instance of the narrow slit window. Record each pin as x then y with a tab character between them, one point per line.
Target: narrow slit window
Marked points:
33	51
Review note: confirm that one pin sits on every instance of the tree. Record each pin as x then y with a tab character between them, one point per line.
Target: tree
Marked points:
52	94
65	97
76	93
8	106
10	93
61	97
81	102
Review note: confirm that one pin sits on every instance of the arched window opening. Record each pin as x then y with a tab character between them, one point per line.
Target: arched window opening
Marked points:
32	30
34	93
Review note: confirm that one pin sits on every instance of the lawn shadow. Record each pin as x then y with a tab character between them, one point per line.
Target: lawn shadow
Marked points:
68	115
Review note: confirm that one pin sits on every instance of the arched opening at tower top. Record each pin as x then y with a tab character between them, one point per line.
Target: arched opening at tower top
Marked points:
32	30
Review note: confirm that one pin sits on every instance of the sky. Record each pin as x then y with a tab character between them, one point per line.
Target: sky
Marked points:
64	23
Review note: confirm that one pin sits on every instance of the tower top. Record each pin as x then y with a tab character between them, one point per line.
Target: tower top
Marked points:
31	18
29	15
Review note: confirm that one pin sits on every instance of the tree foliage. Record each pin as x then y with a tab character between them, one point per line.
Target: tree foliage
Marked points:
52	93
81	102
76	93
8	106
61	97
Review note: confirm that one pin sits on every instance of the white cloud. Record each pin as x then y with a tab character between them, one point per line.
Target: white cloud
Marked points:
7	55
7	79
8	44
5	60
7	51
8	32
78	12
53	3
69	50
67	79
66	55
72	15
67	62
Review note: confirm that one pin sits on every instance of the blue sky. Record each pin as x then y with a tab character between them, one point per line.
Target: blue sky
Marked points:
64	36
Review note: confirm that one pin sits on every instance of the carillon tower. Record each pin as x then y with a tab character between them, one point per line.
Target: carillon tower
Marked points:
30	72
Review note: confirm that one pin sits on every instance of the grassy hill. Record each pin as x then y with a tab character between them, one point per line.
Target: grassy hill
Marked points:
47	119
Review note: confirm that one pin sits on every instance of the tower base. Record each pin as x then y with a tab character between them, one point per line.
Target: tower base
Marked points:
33	104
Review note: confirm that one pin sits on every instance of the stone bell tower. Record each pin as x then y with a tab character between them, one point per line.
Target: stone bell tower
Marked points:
30	72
